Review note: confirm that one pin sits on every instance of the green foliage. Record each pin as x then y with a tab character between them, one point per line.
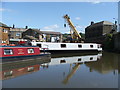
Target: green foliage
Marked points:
82	35
65	36
108	42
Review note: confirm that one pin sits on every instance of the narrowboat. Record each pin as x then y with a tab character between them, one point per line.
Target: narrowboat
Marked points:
9	53
67	47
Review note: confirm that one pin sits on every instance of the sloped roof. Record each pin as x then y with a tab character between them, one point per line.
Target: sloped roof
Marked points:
107	23
51	32
101	23
3	25
18	29
104	22
36	30
46	32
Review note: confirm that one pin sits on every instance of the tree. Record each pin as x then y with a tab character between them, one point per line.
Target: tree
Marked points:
108	42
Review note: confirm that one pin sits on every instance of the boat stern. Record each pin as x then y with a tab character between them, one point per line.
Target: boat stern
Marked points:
100	47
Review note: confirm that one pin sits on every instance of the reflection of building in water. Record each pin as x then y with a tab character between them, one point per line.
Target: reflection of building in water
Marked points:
74	62
109	63
15	69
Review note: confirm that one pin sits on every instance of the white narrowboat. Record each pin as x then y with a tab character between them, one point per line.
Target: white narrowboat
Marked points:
60	47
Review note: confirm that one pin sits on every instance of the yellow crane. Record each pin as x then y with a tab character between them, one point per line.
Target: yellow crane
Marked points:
74	33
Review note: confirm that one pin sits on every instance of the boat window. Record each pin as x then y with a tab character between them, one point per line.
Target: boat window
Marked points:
63	45
91	58
30	50
91	46
8	51
39	45
9	73
5	30
79	59
30	69
62	61
99	46
80	46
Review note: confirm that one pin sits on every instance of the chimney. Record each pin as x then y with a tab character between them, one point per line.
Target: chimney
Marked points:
13	26
115	22
26	27
92	22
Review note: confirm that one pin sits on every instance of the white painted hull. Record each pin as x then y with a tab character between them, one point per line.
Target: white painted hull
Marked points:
67	46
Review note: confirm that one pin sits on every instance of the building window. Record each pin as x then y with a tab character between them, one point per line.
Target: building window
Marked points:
3	41
63	45
91	46
5	30
80	46
30	50
18	34
8	51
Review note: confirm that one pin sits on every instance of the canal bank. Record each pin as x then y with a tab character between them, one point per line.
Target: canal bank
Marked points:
117	42
112	43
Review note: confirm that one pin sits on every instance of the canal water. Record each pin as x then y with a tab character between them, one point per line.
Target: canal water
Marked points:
96	70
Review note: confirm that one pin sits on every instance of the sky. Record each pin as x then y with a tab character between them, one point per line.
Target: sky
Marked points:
49	15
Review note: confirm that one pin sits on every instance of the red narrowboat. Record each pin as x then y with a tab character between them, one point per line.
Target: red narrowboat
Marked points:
18	52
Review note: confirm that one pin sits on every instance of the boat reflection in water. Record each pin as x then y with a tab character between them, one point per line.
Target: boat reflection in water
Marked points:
74	59
64	71
21	67
74	62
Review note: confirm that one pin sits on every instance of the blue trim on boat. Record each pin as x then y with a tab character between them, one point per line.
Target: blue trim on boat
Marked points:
18	46
23	56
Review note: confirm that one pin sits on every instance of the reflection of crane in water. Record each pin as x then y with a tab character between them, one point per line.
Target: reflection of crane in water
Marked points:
77	65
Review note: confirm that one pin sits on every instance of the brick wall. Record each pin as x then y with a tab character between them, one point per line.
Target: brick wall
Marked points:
4	35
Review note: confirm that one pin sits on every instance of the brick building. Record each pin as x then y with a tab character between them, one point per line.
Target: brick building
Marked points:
52	36
95	33
32	34
16	33
4	33
44	36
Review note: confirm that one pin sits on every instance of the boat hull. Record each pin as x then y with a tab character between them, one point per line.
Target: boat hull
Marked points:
70	51
29	57
13	53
